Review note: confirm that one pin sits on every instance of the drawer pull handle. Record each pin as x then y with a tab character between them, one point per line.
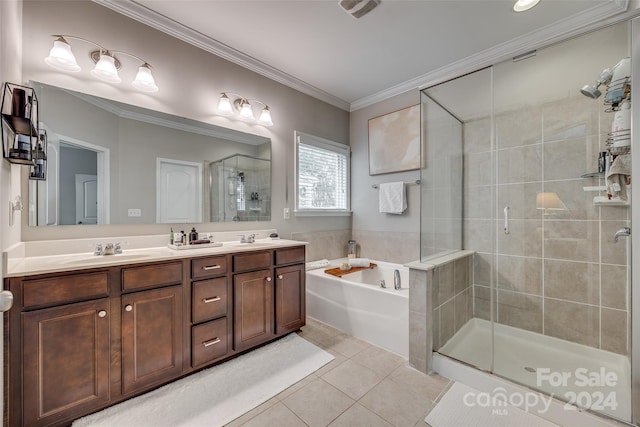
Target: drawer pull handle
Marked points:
102	313
211	267
128	307
208	300
216	340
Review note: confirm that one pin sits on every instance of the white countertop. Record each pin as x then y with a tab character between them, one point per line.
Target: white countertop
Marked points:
30	265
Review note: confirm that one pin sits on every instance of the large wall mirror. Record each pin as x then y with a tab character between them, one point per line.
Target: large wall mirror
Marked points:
113	163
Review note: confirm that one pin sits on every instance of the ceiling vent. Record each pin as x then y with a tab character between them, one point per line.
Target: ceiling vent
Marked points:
358	8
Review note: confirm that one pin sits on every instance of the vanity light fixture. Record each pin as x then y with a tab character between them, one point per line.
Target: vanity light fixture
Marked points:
231	104
524	5
107	64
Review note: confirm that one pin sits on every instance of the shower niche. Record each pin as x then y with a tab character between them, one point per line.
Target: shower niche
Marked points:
240	189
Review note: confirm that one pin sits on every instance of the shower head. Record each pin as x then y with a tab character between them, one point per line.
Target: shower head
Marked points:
592	91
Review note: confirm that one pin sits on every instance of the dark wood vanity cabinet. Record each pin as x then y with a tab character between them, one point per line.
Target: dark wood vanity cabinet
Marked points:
79	341
66	368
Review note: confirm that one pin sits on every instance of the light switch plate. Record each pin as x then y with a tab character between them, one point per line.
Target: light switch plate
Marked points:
287	214
134	212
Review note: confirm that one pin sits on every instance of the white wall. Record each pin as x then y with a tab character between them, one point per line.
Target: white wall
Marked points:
190	81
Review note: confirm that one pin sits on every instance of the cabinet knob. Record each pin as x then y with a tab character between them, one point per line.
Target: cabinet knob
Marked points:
102	313
128	307
280	276
268	279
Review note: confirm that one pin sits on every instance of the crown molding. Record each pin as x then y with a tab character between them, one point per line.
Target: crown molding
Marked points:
160	22
588	20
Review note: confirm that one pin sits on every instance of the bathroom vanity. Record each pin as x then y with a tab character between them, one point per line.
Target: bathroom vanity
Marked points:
83	336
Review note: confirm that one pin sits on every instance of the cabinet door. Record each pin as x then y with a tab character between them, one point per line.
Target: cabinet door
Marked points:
290	298
152	333
65	361
253	308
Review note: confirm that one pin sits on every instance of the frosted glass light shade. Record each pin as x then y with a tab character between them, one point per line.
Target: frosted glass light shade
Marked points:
61	57
106	69
265	117
144	80
246	112
224	106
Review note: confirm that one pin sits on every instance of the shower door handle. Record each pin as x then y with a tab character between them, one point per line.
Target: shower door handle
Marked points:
506	220
624	231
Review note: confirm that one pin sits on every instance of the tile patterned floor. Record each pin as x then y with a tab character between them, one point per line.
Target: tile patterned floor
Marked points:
363	386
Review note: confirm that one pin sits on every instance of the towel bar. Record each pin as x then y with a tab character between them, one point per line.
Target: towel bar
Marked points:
416	182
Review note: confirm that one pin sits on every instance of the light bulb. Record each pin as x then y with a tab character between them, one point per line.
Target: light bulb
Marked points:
144	80
61	57
106	69
224	106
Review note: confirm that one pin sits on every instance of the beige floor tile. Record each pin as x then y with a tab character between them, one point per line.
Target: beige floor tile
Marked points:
396	404
353	379
276	415
252	413
338	359
318	403
297	386
379	360
424	386
346	345
359	416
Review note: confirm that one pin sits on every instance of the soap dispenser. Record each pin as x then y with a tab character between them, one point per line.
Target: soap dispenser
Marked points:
193	235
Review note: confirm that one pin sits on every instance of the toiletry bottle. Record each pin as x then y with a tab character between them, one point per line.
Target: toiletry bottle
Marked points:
185	238
177	239
193	235
171	236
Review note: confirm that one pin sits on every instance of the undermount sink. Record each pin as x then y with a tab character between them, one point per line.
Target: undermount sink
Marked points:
101	259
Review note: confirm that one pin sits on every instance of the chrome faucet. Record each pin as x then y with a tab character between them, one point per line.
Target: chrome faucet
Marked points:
98	250
396	280
251	238
107	249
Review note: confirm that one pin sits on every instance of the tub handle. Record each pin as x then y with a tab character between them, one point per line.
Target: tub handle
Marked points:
506	220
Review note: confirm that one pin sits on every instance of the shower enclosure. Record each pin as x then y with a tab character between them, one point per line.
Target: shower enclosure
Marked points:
512	173
240	189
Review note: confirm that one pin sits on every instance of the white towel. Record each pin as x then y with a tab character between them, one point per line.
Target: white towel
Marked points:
392	199
312	265
359	262
618	176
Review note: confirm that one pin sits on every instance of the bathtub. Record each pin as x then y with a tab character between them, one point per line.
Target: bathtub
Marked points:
358	306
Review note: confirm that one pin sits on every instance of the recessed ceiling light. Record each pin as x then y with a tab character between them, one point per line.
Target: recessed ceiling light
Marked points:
522	5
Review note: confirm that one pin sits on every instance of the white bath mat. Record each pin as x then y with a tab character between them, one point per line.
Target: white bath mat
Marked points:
218	395
463	406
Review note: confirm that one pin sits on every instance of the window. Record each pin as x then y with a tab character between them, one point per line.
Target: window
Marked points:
322	176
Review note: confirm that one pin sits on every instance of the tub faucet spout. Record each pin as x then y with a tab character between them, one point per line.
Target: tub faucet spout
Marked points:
396	279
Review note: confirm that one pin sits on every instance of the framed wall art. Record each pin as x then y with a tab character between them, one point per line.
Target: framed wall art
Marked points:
394	141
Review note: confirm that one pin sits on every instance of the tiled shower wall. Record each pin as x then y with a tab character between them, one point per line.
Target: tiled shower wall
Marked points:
559	274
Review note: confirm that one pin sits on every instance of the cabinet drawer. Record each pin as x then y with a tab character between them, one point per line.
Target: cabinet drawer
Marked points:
151	276
209	299
290	255
63	289
251	261
202	268
209	342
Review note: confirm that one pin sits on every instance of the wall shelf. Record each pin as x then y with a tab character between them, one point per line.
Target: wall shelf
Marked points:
19	127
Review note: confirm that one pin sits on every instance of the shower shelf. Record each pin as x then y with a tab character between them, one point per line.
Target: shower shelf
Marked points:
603	201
